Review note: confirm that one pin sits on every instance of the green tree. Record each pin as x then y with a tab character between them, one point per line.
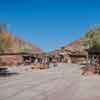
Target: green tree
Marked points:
92	38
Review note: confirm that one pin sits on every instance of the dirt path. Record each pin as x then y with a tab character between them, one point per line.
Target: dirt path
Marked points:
60	83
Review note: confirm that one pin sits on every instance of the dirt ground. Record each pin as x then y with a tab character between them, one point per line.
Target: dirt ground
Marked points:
63	82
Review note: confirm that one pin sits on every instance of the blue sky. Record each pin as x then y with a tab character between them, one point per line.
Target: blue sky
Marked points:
49	24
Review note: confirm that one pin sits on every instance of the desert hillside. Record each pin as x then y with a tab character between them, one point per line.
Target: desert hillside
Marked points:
16	44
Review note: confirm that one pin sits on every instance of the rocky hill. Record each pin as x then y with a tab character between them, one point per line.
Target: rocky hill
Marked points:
18	45
76	47
23	46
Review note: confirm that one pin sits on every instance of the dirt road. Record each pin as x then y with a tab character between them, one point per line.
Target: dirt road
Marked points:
60	83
